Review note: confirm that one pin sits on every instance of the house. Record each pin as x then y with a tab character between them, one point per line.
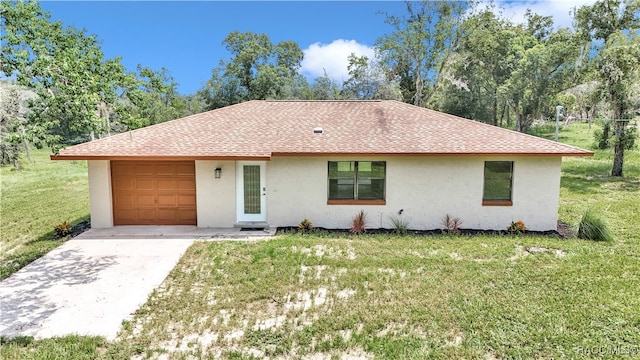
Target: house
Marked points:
274	163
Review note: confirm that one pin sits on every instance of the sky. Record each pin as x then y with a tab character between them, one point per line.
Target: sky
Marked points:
186	36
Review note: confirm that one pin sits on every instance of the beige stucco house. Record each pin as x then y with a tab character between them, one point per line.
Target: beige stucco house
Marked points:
274	163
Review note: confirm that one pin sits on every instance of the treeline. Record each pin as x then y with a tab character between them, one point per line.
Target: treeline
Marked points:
452	56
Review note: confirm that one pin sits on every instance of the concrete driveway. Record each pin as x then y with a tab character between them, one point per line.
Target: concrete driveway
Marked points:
87	286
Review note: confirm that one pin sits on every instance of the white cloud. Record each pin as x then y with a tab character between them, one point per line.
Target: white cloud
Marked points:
332	58
559	9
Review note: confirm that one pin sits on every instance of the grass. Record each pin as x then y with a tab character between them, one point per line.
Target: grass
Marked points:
375	296
34	200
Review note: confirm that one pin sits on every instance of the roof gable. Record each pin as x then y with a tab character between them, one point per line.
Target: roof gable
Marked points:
261	129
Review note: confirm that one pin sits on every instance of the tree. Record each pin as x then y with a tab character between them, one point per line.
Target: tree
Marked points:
324	88
153	99
421	44
10	123
546	65
611	26
76	87
482	64
368	81
258	69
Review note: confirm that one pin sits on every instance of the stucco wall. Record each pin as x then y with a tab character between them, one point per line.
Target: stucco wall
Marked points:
426	188
100	193
216	198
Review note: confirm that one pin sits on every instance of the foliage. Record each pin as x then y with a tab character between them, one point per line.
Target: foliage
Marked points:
593	227
63	229
421	45
305	226
359	223
451	224
258	69
11	123
603	136
517	227
367	81
400	224
76	87
611	27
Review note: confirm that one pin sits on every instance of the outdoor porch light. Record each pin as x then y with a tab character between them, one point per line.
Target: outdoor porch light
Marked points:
218	173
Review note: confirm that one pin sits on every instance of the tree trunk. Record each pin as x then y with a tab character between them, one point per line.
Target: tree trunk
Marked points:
618	158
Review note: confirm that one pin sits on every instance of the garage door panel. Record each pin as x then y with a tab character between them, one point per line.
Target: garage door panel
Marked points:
154	192
126	200
185	170
184	184
145	184
186	200
146	214
185	215
166	169
147	200
166	184
145	169
121	184
165	200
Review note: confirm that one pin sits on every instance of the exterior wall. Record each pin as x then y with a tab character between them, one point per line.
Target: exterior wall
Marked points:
216	198
100	193
425	188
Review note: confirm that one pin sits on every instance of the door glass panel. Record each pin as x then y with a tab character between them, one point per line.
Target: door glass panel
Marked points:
252	189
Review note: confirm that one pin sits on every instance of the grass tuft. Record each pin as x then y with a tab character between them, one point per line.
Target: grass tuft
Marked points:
593	227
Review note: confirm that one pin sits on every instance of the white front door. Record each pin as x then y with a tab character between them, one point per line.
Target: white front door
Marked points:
251	191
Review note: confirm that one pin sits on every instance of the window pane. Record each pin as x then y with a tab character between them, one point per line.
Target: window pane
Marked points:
342	169
371	169
341	189
370	189
497	180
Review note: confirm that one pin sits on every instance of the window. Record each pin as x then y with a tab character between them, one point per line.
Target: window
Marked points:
357	182
498	178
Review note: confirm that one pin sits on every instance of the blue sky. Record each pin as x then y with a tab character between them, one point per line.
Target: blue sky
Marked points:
186	37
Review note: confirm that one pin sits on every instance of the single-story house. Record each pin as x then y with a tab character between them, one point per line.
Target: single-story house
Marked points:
275	163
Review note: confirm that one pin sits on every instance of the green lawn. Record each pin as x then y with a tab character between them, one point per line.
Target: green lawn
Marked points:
34	200
449	297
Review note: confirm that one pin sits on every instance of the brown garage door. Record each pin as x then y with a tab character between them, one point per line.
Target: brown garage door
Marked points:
154	192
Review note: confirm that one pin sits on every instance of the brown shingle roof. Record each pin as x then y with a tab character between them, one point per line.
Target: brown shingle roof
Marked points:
261	129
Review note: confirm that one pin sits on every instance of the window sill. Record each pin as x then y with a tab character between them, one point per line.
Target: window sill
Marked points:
497	203
356	202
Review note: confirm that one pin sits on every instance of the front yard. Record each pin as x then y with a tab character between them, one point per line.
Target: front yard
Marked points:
324	296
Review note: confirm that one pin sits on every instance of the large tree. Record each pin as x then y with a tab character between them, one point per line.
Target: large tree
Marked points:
419	48
611	26
76	87
257	69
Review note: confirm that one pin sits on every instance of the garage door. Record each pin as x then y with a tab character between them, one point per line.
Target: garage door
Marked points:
153	192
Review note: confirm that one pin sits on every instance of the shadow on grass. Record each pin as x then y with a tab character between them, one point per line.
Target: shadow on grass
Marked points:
36	248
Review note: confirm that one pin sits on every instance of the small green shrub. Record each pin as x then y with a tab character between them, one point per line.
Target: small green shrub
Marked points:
305	226
63	229
593	227
451	224
400	225
517	227
603	136
358	223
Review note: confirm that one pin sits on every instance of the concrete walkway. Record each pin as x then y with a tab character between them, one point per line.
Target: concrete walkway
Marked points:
89	284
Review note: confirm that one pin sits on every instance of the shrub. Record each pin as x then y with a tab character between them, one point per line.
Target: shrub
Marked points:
517	227
305	226
400	225
451	224
63	229
358	223
603	136
593	227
